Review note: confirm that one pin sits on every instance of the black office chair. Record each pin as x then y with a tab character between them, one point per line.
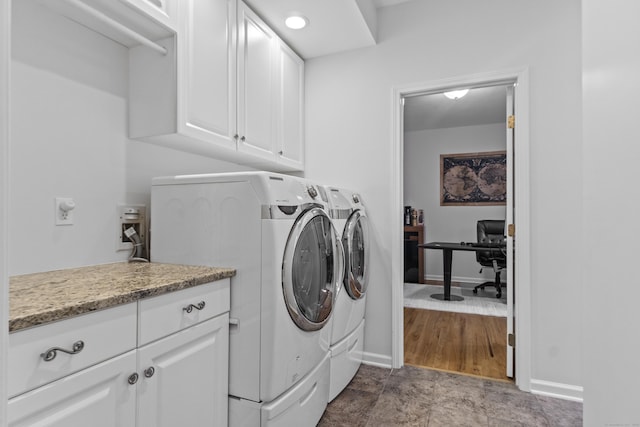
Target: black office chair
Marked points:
491	231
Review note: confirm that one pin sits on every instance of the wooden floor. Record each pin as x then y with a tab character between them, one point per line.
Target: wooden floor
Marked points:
466	343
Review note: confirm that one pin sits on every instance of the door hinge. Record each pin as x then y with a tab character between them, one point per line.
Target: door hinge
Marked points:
511	340
511	121
511	230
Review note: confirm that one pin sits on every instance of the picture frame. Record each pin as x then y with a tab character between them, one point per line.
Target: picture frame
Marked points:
473	179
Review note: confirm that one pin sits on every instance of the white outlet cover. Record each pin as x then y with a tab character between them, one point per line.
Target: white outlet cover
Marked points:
64	217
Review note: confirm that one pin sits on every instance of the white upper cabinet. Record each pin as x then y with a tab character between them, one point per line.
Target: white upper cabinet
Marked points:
186	99
163	11
222	89
206	70
270	94
290	141
257	102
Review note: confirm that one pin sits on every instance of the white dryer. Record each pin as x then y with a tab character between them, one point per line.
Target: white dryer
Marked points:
347	326
273	229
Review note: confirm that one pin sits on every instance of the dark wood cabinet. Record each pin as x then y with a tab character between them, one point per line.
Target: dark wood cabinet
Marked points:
413	255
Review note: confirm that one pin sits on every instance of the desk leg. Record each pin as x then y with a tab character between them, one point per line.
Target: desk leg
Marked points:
447	256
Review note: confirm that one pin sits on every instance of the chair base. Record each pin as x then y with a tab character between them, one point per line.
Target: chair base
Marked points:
495	284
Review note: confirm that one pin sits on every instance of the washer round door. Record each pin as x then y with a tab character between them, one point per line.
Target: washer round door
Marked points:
355	240
311	270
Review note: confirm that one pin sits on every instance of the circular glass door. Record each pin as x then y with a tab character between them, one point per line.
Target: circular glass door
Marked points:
311	269
355	238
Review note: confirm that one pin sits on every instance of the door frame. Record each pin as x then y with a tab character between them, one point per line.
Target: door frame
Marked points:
5	64
522	276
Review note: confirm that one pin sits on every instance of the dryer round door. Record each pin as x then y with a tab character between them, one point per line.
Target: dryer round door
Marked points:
311	270
355	240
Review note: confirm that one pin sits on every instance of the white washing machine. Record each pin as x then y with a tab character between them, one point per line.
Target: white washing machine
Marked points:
273	229
347	325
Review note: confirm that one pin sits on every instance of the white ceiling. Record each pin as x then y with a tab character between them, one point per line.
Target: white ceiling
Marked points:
334	25
341	25
480	106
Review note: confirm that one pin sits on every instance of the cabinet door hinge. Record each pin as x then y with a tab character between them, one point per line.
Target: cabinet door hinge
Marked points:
511	230
511	121
511	340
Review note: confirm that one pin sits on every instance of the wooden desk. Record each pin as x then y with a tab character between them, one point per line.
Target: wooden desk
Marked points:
416	233
447	249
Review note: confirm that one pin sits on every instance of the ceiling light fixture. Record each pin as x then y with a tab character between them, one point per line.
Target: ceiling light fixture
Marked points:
456	94
296	22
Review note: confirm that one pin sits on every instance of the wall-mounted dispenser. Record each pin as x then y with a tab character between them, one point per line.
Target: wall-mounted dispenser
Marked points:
132	230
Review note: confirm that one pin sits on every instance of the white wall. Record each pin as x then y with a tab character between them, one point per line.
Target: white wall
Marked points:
5	26
611	227
69	118
422	150
349	134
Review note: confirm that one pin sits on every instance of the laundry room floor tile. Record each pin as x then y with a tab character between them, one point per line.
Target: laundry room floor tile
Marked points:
420	397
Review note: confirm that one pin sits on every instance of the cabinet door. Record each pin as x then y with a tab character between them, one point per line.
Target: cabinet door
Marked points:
256	85
99	396
291	108
184	377
206	70
163	11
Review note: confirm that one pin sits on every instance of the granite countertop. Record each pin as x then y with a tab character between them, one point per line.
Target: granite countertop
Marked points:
39	298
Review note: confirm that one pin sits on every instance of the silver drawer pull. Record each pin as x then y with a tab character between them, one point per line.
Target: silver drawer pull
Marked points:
51	354
190	307
149	372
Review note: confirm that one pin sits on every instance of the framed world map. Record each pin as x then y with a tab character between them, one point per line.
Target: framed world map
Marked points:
473	179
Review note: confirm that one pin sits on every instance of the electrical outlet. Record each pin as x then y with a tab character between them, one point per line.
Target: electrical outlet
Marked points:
64	210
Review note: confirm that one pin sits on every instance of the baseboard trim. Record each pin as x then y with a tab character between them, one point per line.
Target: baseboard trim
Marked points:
558	390
375	359
475	280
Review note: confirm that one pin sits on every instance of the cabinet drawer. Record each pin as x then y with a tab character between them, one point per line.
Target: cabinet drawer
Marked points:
163	315
104	334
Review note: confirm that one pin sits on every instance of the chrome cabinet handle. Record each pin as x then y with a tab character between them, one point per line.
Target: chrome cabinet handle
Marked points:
190	307
243	138
281	152
133	378
51	354
149	372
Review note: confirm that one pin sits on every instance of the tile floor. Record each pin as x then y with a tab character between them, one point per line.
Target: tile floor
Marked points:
421	397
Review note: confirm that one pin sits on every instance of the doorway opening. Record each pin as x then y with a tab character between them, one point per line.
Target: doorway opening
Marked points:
455	187
518	344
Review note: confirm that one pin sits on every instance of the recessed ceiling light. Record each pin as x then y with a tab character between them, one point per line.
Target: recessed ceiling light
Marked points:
296	22
456	94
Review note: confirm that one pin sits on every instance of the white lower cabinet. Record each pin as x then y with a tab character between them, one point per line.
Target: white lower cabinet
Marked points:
99	396
183	378
177	375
